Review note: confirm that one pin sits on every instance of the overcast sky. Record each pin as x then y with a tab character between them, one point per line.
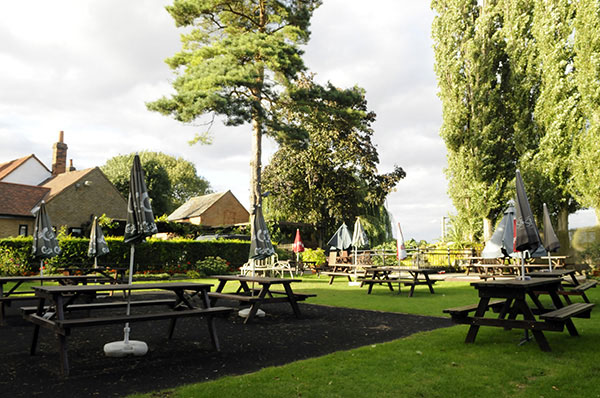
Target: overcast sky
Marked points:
88	66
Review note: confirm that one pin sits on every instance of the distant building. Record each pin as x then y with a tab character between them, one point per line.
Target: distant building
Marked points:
213	210
73	197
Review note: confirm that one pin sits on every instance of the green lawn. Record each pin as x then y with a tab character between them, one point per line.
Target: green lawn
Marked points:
431	364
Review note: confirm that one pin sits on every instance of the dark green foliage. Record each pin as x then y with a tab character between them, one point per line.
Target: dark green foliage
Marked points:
150	256
212	266
171	181
330	175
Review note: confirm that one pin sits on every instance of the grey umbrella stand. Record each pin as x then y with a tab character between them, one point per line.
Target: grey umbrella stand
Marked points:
140	224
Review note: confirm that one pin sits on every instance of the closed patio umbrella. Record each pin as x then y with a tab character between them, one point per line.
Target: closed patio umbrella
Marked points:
97	246
45	244
298	246
140	224
261	248
359	239
551	242
501	244
527	236
341	240
260	244
401	253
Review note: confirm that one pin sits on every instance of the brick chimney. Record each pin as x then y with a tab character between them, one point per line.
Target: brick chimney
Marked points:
59	155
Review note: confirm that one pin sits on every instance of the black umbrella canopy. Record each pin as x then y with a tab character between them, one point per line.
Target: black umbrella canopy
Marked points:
551	242
260	246
45	244
341	240
140	219
98	245
527	236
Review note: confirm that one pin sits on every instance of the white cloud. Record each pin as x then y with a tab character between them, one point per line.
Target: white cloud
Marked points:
88	68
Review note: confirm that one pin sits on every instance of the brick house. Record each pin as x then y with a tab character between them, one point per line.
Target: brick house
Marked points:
73	197
213	210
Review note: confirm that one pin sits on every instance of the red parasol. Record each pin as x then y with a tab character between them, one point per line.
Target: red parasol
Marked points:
298	246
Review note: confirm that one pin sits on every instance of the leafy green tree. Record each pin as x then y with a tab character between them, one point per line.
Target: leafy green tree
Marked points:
585	170
330	176
472	69
171	181
237	57
557	111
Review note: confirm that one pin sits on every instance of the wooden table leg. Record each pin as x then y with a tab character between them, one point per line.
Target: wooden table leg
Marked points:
540	338
474	329
213	333
429	283
292	299
256	305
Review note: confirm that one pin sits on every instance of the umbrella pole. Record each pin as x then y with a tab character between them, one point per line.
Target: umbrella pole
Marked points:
42	271
523	265
549	261
130	280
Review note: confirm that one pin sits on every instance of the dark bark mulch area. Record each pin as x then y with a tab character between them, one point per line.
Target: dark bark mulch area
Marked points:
276	339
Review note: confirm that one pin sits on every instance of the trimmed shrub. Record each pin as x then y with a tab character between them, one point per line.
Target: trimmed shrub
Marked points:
151	256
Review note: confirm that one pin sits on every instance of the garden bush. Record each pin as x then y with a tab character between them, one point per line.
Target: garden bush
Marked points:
151	256
316	255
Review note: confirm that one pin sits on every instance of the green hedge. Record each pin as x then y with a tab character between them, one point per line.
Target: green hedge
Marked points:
151	256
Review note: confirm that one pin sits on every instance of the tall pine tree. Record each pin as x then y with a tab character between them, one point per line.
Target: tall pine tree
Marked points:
236	58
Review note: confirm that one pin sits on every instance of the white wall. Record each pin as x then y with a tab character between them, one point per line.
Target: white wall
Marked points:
32	172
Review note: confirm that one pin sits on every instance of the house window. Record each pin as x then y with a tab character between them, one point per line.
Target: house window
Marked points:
76	231
23	230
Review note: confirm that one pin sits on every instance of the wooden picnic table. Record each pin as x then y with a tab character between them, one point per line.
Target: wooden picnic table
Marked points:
385	276
117	274
58	312
511	295
257	297
8	295
344	270
575	287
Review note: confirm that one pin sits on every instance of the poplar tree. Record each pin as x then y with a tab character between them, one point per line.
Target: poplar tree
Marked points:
472	71
557	111
237	57
586	154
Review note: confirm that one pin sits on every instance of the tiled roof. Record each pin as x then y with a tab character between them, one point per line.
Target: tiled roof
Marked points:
58	183
196	206
19	200
9	167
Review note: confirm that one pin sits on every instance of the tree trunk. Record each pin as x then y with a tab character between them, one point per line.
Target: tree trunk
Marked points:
255	166
487	229
562	230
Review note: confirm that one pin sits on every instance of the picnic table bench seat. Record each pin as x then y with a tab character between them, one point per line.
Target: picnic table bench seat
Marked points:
332	275
108	305
579	290
377	281
578	310
464	310
254	299
65	324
